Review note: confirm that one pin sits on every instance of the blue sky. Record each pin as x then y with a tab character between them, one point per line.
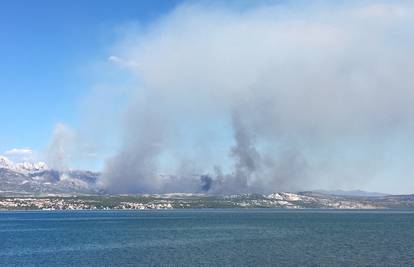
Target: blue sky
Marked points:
44	48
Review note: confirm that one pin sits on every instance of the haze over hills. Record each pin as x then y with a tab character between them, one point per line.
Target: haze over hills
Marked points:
38	178
34	185
33	178
352	193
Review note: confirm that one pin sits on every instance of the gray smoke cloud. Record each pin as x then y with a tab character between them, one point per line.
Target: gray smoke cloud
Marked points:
315	98
67	148
135	168
61	147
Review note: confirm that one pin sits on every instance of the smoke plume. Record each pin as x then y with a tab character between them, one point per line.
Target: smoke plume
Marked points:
267	98
60	148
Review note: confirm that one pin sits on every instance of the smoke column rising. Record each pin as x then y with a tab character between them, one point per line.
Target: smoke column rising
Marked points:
61	147
320	97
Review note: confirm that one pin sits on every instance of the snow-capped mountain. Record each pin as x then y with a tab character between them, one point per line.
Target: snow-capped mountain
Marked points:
6	163
22	166
31	166
37	178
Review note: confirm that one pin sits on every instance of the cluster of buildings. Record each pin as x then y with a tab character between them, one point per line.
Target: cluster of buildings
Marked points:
43	204
30	203
143	206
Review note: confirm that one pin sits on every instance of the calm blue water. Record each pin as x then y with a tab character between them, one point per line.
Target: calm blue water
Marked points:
207	238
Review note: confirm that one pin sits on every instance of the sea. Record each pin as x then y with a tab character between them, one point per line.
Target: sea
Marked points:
228	237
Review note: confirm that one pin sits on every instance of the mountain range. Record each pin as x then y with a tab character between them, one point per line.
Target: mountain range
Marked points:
37	179
34	178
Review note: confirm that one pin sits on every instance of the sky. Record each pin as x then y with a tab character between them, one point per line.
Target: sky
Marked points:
46	49
256	96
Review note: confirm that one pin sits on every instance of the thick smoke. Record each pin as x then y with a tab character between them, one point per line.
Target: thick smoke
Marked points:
206	183
245	153
135	169
291	100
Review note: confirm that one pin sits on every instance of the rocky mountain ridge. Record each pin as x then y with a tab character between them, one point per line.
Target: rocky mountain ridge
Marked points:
33	178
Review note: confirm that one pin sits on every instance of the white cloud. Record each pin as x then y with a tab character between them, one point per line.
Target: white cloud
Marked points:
122	62
21	154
